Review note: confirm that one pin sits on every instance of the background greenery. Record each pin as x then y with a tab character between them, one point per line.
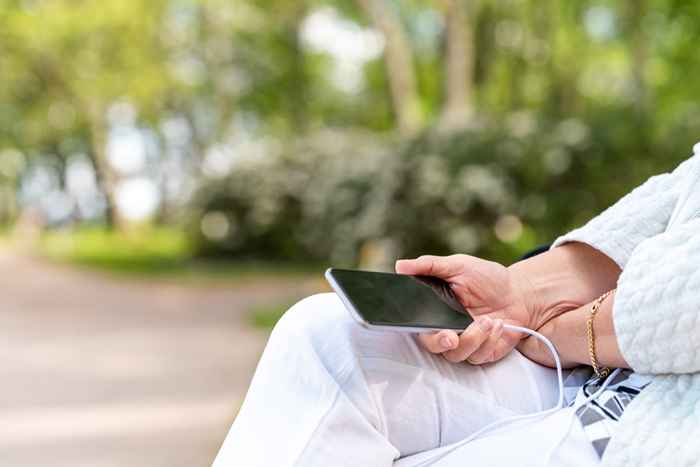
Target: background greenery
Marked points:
155	136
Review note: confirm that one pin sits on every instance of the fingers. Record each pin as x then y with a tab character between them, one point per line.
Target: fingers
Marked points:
439	342
480	343
427	265
488	350
472	339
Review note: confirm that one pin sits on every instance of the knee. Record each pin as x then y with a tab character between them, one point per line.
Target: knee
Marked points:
317	318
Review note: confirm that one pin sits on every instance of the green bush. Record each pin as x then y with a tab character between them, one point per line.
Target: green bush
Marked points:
495	190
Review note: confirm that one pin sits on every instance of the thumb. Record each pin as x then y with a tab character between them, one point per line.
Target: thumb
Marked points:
443	267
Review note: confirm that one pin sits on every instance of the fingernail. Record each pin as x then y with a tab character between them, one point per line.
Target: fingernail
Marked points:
446	342
485	323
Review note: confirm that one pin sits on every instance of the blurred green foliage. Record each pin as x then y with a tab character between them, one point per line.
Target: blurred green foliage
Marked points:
266	316
156	253
496	191
335	131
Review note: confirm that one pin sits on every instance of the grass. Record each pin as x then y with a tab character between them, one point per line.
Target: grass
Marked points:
266	316
153	253
147	250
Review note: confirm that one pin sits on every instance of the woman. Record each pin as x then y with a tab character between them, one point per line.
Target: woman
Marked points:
329	393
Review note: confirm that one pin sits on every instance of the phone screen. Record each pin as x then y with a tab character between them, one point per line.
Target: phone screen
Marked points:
401	300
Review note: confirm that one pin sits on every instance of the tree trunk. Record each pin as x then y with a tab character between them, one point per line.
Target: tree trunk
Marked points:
459	67
8	203
94	114
107	179
298	94
559	30
635	14
400	70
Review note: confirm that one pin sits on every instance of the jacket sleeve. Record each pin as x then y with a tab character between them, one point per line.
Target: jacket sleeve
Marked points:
656	313
641	214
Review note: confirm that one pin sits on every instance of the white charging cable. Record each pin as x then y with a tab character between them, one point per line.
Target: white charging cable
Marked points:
543	413
575	407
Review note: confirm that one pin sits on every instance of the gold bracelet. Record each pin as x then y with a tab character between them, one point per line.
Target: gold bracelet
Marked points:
600	372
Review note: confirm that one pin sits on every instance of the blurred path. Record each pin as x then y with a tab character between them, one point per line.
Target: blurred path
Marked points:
102	372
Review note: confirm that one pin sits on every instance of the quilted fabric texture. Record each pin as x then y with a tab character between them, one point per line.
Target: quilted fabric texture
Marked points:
654	235
657	305
641	214
661	426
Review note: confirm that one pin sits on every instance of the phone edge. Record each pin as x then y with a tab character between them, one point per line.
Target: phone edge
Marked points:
358	317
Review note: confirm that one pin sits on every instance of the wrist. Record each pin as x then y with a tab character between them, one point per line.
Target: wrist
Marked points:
527	295
543	290
563	333
561	280
570	338
569	335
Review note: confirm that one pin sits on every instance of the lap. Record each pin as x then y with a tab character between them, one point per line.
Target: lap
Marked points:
420	400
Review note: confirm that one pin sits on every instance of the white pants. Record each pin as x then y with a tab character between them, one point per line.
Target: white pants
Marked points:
328	393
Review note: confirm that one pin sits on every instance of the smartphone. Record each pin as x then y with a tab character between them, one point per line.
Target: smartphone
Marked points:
398	302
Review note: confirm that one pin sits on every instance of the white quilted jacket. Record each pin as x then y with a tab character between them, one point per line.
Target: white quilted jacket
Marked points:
653	233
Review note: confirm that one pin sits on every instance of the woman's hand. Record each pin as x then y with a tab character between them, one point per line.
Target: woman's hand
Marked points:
528	293
494	296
